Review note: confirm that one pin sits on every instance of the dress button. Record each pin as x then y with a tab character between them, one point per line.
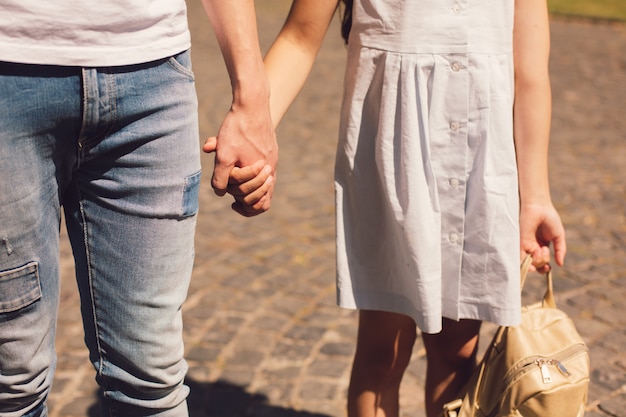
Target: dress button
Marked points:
454	126
456	66
456	9
454	183
454	238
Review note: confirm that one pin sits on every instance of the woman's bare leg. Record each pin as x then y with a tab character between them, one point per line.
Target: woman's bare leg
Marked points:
451	359
384	346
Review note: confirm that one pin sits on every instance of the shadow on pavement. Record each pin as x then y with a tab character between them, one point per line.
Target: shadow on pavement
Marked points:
223	399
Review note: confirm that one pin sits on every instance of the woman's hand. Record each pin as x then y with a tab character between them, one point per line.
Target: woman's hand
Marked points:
540	226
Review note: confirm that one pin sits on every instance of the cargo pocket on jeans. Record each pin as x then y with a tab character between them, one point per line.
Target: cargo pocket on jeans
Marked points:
190	194
19	287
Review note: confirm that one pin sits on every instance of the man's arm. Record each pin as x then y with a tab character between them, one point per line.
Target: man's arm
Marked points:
246	137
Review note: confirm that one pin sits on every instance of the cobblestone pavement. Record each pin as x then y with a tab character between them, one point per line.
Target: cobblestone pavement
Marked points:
263	335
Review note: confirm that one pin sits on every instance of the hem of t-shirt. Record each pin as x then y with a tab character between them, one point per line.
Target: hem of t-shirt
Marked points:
93	55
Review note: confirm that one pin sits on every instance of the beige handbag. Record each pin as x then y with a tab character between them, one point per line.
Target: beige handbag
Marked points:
537	369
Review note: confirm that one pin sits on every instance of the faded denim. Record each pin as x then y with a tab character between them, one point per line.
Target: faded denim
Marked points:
117	149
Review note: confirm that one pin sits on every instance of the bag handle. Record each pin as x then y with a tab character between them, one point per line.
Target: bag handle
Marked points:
548	298
455	407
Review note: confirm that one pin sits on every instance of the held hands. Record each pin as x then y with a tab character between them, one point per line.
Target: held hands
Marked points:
246	154
540	225
249	186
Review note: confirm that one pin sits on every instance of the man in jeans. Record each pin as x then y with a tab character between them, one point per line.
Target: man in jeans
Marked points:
98	115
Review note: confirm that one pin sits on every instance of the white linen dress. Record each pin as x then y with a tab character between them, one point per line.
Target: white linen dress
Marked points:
426	178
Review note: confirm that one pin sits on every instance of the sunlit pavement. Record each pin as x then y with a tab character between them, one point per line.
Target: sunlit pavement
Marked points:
263	335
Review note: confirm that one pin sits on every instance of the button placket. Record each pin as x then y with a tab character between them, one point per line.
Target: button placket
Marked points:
452	168
452	142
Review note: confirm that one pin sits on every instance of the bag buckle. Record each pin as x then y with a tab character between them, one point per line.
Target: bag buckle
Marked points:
451	409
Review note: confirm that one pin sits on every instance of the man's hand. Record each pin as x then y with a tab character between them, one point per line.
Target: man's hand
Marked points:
251	186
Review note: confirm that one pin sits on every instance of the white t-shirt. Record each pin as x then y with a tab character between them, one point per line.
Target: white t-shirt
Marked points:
92	32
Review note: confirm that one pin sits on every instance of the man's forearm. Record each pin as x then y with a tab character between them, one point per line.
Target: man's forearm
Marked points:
234	23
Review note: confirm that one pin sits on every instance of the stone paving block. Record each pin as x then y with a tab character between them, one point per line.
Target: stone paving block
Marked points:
598	391
595	413
323	315
291	353
615	341
239	281
609	376
417	369
614	406
202	353
610	292
240	375
612	314
279	372
317	390
413	413
329	367
300	333
79	407
198	372
222	332
247	303
245	357
591	329
600	355
254	339
338	349
288	305
278	392
269	323
200	313
348	327
590	300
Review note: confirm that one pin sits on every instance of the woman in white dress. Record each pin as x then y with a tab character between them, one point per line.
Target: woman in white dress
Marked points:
441	176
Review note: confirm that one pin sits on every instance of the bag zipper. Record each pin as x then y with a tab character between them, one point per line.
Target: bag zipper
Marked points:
545	364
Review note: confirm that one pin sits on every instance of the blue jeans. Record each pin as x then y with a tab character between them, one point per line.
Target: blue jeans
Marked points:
117	149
